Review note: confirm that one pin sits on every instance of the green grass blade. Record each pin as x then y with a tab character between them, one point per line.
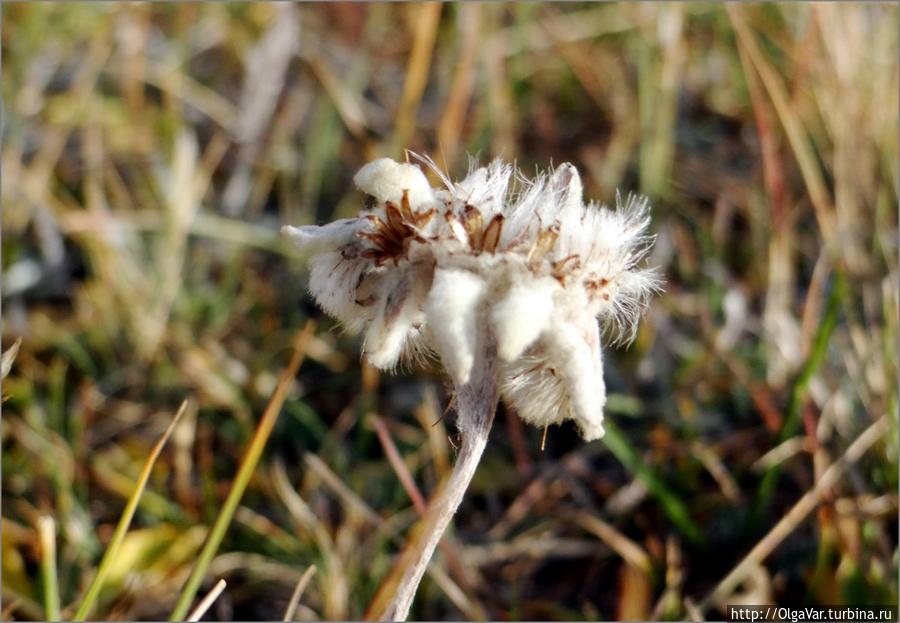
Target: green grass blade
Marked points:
93	591
673	507
245	471
47	534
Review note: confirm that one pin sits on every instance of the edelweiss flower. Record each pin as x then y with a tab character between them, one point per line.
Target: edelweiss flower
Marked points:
494	261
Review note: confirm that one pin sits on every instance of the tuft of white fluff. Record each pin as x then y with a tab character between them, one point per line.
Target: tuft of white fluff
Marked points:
328	274
561	378
574	351
386	180
451	310
496	258
318	238
522	315
394	317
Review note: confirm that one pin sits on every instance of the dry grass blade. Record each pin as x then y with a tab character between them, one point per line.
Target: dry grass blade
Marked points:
191	91
529	547
633	553
657	151
793	128
426	415
797	514
14	602
115	543
634	593
441	509
207	601
566	28
426	21
298	593
449	129
266	65
718	470
447	546
9	356
248	464
204	225
400	468
692	610
345	100
520	507
779	454
350	499
47	534
11	605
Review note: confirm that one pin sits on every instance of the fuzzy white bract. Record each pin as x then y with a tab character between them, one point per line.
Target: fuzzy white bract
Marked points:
524	264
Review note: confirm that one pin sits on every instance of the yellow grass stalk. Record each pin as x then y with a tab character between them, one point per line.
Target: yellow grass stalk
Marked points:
245	471
47	535
93	591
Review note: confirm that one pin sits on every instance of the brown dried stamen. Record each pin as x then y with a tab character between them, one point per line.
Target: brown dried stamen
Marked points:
562	269
598	285
473	224
405	208
395	221
491	237
391	237
546	238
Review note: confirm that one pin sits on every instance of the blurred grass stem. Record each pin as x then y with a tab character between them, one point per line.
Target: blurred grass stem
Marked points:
477	404
115	543
298	593
248	465
792	419
207	601
437	520
47	535
797	514
426	20
672	505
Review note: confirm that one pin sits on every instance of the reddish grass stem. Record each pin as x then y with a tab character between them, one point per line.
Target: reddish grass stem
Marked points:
477	403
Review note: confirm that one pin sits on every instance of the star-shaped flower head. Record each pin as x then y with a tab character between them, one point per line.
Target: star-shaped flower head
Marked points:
524	262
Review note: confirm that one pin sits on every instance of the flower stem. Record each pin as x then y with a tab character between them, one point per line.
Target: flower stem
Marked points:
477	403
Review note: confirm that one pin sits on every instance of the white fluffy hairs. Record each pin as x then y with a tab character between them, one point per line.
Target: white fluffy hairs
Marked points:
522	261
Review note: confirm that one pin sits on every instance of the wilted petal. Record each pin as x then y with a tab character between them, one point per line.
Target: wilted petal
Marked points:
533	388
394	318
451	312
567	183
332	282
386	180
573	349
316	239
522	315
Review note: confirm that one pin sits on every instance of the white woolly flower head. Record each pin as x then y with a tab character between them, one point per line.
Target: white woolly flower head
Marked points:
524	264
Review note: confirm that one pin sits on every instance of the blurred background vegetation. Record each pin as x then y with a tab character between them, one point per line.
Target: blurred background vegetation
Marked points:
150	154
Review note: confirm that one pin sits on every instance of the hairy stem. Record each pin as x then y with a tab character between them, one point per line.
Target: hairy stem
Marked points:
477	402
